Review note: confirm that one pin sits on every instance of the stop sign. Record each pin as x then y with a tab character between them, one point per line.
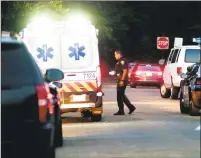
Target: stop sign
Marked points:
162	43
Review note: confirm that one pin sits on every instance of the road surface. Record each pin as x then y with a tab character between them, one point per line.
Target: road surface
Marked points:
155	130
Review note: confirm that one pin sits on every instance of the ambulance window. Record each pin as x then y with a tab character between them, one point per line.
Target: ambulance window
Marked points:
170	57
175	55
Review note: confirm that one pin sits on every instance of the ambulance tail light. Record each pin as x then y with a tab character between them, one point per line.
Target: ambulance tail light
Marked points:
99	82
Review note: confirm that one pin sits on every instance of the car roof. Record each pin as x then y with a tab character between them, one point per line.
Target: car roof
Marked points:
188	46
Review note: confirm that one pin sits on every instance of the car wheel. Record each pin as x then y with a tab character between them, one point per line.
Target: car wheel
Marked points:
183	109
158	86
96	118
165	92
174	92
58	135
192	110
132	85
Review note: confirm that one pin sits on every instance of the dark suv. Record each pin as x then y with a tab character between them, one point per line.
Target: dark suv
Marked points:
27	113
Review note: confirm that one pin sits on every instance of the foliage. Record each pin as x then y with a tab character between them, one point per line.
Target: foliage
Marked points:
17	14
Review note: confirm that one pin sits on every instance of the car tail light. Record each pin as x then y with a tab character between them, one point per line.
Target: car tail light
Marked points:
99	82
137	73
179	70
45	102
160	73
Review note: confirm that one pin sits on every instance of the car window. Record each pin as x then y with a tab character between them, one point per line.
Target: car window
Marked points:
174	56
18	67
178	55
170	57
192	55
148	68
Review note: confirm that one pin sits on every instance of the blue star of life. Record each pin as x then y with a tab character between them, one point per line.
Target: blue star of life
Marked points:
76	51
45	52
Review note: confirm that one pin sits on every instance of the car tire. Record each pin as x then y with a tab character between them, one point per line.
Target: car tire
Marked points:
158	86
132	85
183	109
174	92
165	92
96	118
192	110
58	135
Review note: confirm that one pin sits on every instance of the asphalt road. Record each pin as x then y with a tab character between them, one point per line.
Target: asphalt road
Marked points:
155	130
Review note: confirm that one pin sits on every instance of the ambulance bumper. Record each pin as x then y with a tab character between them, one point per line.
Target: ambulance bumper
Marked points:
76	105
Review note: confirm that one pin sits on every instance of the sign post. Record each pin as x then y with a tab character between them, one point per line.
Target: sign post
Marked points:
163	43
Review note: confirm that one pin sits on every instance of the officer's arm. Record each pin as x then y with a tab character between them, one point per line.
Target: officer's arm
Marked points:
125	70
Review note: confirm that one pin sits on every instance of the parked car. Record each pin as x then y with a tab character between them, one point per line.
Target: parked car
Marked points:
146	74
130	68
27	110
190	95
179	59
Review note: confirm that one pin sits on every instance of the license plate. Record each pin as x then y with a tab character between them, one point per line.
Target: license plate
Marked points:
148	74
90	75
78	98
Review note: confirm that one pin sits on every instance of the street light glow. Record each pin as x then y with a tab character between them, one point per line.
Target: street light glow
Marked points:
42	24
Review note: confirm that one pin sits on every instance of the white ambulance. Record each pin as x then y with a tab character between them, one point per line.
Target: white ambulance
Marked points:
71	46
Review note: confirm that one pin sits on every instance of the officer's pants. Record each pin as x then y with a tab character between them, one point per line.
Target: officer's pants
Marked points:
122	98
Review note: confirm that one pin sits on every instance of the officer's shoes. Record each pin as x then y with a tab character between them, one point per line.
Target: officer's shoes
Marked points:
132	110
119	113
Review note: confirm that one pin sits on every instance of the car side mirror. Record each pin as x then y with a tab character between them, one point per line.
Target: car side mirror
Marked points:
53	75
58	84
183	75
161	62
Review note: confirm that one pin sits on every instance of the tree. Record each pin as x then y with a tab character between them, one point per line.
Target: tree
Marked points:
17	14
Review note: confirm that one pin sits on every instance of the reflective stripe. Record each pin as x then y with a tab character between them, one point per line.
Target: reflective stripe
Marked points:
79	86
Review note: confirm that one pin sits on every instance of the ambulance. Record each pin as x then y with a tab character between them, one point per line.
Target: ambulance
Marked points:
71	46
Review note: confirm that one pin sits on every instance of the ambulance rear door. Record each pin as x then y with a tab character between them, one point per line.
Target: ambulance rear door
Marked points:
80	60
45	49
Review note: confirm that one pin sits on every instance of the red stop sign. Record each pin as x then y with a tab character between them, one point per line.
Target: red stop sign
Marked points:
162	43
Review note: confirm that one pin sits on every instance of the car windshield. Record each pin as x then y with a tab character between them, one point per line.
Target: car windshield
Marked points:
148	68
17	66
192	56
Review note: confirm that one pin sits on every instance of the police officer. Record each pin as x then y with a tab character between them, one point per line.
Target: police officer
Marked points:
121	69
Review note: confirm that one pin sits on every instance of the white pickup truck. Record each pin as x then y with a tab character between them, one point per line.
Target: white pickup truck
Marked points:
179	59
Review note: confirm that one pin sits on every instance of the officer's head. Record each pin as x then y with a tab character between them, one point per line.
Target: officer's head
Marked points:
118	54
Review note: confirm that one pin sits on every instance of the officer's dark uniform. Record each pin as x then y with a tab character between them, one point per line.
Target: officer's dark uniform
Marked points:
121	97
